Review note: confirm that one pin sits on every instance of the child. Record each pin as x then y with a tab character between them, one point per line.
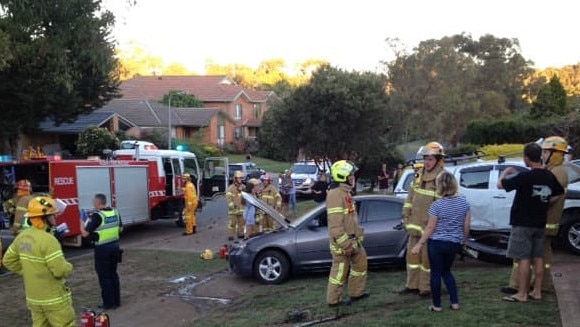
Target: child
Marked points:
249	209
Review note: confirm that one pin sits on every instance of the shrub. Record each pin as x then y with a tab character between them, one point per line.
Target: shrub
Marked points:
94	140
507	150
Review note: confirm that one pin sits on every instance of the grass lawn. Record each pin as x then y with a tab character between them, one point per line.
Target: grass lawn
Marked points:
479	296
268	165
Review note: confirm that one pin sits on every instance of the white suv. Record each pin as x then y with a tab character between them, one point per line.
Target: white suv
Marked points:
305	173
490	206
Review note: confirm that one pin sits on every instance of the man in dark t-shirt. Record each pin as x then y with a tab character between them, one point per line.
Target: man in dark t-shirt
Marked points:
535	189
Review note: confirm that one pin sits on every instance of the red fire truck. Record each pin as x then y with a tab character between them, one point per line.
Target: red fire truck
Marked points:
143	183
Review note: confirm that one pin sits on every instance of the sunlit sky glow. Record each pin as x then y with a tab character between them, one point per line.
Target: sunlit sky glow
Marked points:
348	34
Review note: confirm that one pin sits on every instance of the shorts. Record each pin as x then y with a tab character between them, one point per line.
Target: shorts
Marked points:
526	243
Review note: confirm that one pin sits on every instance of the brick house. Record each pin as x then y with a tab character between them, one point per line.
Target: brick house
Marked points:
245	107
231	113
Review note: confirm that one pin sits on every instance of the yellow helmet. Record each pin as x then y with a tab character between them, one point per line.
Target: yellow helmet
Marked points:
555	143
207	254
341	169
187	176
254	181
239	174
42	206
432	149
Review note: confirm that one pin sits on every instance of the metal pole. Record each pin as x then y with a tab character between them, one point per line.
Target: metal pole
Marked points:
169	123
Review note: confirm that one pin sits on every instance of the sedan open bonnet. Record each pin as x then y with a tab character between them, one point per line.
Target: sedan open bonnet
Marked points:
278	217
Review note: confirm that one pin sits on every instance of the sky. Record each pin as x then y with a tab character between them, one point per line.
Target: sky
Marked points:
349	34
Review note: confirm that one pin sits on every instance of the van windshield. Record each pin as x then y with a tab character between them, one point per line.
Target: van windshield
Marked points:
304	169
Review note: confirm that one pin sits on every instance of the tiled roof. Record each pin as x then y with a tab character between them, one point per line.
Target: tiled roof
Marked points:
95	118
250	122
152	113
205	88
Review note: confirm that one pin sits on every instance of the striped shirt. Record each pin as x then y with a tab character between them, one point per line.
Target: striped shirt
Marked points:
450	213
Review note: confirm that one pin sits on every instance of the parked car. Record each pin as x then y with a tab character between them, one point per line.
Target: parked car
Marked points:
306	173
301	246
490	206
250	170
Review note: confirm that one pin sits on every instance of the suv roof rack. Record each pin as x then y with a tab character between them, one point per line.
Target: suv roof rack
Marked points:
454	158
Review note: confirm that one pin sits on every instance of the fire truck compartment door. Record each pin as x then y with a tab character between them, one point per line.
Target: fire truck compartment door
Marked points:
215	177
90	181
132	194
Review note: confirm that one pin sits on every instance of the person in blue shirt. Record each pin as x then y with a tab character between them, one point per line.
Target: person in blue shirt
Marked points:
446	231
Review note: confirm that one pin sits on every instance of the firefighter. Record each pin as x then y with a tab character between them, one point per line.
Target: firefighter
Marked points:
22	198
272	197
554	149
235	208
415	217
345	237
37	256
190	206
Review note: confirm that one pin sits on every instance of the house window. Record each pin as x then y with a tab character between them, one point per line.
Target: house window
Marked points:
238	111
238	133
221	140
257	111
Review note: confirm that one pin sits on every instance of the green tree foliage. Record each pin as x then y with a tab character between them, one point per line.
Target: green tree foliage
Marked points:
337	115
442	85
62	62
551	101
181	100
94	140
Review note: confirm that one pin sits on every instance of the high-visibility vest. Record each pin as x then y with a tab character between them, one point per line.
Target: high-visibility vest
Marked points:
109	228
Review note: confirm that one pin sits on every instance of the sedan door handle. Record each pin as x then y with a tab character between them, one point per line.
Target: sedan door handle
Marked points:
499	197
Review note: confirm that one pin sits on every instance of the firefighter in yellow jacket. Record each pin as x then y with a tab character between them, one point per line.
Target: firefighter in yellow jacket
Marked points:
20	204
415	217
346	238
272	197
235	207
190	206
554	149
37	256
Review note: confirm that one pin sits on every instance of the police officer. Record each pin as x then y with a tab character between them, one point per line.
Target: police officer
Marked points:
346	237
235	207
103	227
415	216
190	199
37	256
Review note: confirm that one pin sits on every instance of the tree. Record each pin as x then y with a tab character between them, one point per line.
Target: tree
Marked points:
442	85
181	100
551	101
340	115
94	140
62	63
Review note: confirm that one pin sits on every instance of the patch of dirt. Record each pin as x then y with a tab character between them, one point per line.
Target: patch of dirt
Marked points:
178	304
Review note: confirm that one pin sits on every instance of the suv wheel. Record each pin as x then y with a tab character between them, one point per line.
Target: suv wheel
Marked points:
272	267
571	236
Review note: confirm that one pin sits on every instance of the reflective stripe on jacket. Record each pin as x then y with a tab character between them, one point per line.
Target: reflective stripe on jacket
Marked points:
421	195
109	228
38	257
234	198
554	213
343	229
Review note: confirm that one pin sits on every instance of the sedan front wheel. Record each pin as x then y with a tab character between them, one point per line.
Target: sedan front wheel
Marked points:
272	267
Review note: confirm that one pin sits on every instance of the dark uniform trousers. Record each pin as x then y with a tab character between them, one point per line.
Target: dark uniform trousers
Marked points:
106	260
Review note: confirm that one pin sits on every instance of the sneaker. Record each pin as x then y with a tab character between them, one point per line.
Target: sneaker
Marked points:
508	290
407	290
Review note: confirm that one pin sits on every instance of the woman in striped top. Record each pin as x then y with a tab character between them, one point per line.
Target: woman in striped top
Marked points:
446	231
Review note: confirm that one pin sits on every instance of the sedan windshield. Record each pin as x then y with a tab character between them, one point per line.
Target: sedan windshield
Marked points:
304	169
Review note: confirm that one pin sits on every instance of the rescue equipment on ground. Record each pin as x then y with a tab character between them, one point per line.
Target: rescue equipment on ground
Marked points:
207	254
224	251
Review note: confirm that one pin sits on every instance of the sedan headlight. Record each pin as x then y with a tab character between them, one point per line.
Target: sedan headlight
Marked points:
307	181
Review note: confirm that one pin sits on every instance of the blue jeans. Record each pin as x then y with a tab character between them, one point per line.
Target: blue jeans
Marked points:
292	203
441	256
